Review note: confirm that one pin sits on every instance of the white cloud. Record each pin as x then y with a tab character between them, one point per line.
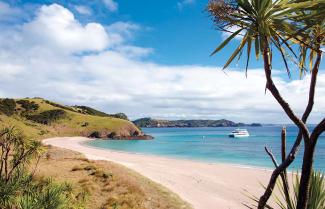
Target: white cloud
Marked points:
83	10
8	13
119	32
116	79
134	51
111	5
183	3
56	27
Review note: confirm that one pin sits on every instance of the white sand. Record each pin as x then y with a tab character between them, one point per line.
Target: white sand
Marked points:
204	185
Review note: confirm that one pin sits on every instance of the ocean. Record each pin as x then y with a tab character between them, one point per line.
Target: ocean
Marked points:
214	146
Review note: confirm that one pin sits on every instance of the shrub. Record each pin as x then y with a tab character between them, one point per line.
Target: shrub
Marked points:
136	133
90	111
112	135
95	134
28	106
85	124
47	117
7	106
120	116
76	168
59	106
90	167
106	175
43	132
19	188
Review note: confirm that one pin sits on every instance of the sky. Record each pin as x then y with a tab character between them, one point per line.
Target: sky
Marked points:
144	58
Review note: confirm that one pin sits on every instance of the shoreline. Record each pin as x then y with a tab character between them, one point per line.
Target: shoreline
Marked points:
84	143
203	185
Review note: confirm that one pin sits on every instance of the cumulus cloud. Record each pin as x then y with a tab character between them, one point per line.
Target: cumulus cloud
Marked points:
111	5
57	27
115	79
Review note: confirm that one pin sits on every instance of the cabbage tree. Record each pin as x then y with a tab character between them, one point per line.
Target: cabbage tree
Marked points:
286	25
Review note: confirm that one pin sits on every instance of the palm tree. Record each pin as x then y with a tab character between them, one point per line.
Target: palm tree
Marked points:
279	23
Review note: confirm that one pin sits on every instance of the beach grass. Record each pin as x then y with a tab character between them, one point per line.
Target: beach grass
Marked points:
107	184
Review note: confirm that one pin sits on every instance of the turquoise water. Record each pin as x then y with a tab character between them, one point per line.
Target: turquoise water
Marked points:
214	145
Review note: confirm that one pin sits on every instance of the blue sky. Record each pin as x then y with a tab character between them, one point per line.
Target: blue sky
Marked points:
179	31
144	58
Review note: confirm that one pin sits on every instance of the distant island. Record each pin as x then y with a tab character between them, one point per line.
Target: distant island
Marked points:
156	123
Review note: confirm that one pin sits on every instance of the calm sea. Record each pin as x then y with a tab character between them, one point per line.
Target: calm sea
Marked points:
214	145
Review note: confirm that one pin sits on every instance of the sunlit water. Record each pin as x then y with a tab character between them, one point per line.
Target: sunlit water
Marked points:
214	145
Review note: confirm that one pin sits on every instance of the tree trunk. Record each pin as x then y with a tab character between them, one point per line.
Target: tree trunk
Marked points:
307	165
306	173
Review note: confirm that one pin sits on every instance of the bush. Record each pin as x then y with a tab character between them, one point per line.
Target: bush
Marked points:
47	117
28	106
43	132
136	133
85	124
120	116
59	106
90	167
7	106
76	168
91	111
112	135
94	134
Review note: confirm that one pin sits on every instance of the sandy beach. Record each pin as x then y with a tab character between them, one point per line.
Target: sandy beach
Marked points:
204	185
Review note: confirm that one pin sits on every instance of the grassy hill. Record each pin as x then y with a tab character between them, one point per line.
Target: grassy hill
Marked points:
39	118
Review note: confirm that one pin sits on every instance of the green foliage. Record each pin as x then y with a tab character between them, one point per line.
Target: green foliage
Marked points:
60	106
47	117
7	106
85	124
90	111
50	195
94	134
20	150
29	106
112	135
280	23
18	187
9	190
120	116
316	194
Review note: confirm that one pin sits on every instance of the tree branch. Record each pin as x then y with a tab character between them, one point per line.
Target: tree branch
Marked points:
318	130
302	132
272	157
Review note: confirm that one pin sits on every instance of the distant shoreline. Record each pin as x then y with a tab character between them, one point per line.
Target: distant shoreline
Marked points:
158	123
204	185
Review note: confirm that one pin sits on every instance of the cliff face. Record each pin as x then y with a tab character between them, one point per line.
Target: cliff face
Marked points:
150	123
39	118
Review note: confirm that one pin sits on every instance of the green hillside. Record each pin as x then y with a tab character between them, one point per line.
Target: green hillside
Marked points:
39	118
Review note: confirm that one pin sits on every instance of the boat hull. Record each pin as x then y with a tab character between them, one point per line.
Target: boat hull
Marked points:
238	136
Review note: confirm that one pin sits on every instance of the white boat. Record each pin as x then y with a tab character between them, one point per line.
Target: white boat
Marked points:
239	133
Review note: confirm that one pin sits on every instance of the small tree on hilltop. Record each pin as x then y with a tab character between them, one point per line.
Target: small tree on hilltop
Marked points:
282	24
